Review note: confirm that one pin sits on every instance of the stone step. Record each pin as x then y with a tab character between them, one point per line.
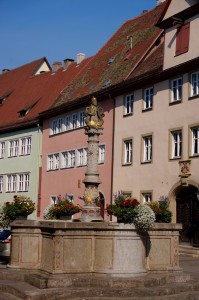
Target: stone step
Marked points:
188	250
23	290
44	281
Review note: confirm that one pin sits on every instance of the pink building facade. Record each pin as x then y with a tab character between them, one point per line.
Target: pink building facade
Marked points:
64	146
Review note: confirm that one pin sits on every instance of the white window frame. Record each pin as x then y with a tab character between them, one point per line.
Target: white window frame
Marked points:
146	197
128	104
176	147
71	159
16	147
128	146
81	157
195	141
53	126
70	197
59	125
64	159
23	182
53	162
2	150
14	182
148	98
17	182
26	182
68	122
11	183
102	154
74	120
81	119
176	89
11	149
53	199
25	145
147	148
195	84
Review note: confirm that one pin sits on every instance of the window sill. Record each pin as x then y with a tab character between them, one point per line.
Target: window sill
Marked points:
80	166
194	156
175	158
175	102
147	109
193	97
146	162
126	164
127	115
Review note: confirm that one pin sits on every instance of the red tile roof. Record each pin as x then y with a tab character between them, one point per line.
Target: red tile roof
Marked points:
117	58
34	93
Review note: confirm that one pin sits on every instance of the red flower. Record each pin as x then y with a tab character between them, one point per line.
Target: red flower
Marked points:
122	204
135	202
127	203
15	196
7	203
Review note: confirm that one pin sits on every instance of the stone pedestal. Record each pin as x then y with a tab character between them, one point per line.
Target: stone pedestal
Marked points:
90	213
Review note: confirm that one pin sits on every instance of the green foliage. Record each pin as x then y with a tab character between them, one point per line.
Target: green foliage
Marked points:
161	210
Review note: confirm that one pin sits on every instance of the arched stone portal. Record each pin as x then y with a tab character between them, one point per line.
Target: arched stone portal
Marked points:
185	207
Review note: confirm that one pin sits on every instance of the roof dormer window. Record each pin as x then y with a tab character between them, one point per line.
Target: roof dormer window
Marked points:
23	112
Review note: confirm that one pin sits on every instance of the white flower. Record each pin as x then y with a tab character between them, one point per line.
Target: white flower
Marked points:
144	218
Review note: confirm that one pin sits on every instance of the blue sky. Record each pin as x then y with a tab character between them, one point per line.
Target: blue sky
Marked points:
59	29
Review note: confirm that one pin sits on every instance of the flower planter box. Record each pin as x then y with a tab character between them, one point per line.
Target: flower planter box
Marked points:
58	247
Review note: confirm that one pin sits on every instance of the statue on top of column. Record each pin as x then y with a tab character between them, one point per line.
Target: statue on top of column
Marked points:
94	115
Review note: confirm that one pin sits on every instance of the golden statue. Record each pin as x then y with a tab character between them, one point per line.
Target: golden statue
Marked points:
94	115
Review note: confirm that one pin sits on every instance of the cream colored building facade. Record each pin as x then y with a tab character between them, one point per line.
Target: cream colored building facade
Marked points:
156	137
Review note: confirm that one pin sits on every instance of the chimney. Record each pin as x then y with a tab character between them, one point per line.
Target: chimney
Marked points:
80	57
56	66
5	71
158	2
67	62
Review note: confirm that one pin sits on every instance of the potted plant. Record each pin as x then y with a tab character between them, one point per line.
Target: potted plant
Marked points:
20	207
161	210
122	208
129	210
63	209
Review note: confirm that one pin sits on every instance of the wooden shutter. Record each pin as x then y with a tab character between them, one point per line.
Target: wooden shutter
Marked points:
182	39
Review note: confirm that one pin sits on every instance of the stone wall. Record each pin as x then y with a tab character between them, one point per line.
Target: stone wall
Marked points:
60	247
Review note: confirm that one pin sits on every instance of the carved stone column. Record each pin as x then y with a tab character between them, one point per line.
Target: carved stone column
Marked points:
94	121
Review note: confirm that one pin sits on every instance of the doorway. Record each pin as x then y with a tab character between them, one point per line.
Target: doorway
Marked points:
187	208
